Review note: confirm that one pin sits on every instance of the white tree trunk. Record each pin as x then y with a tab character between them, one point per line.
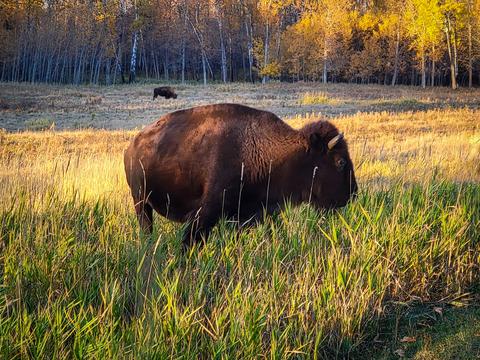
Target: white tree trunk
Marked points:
470	57
183	62
397	55
204	68
248	27
222	50
265	55
133	58
184	40
432	80
453	75
325	59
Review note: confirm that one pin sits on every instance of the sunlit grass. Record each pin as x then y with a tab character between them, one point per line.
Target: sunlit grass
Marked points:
303	283
316	98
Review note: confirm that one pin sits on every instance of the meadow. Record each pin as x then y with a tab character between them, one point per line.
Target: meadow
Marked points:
394	274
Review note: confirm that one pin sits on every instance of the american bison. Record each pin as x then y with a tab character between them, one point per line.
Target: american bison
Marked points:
166	91
199	164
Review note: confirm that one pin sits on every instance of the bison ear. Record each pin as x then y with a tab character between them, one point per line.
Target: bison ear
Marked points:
316	142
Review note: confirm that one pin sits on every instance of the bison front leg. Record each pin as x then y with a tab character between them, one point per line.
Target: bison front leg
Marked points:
200	224
144	215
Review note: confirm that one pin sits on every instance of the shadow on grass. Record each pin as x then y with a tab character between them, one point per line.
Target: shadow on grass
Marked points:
428	333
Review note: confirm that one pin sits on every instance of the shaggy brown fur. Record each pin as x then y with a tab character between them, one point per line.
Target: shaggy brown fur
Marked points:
166	91
195	165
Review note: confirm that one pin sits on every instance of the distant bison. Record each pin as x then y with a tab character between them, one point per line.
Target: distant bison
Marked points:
166	91
198	164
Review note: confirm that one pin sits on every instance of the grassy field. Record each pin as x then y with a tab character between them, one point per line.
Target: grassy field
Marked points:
394	274
33	107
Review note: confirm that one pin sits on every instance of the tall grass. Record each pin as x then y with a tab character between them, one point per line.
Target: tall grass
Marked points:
78	280
302	282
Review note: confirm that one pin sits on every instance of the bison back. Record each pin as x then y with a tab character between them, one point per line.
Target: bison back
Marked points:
175	161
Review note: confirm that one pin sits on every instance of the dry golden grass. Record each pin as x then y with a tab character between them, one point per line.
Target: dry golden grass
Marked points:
31	107
385	147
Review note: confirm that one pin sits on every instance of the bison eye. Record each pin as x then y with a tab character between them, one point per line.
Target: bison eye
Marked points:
341	163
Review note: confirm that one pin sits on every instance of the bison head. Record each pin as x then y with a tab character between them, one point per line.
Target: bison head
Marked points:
329	165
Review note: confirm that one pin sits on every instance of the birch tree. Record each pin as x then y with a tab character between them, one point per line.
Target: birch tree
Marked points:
424	21
103	41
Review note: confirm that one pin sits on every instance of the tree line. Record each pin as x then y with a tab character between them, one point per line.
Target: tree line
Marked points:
416	42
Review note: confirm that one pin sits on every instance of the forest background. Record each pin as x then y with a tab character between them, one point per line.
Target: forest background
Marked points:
415	42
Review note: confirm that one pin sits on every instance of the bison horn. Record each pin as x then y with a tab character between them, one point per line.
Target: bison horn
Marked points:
334	141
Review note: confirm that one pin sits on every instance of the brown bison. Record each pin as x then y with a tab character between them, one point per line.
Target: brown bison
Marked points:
199	164
166	91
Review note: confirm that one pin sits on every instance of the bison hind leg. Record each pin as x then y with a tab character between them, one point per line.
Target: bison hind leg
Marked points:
144	215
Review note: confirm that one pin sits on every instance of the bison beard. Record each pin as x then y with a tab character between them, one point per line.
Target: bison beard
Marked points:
199	164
